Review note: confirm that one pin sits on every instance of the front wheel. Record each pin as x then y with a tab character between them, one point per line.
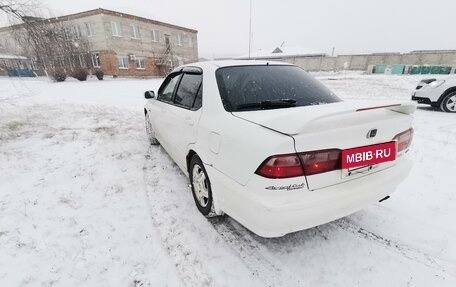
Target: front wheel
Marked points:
449	103
201	187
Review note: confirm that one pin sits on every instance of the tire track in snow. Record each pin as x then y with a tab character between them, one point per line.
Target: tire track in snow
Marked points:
173	228
406	251
257	258
188	265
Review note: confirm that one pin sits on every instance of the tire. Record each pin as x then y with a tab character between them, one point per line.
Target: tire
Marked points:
150	132
201	187
449	103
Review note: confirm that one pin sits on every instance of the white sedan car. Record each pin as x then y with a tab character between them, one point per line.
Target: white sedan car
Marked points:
437	93
273	148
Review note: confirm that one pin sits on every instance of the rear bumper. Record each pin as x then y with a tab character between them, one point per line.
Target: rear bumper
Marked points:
427	96
420	100
279	213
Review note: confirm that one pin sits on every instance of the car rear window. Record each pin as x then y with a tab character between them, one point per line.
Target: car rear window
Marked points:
244	88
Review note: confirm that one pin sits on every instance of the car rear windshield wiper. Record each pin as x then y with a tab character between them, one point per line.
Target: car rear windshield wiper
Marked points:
264	105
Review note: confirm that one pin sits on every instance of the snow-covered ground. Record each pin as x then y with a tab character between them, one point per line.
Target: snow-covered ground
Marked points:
84	201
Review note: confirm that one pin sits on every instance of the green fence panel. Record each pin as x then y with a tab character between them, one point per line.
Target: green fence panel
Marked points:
445	70
435	70
415	70
398	69
380	69
425	70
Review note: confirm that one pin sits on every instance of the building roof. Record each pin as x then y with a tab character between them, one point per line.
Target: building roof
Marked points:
107	12
280	53
432	51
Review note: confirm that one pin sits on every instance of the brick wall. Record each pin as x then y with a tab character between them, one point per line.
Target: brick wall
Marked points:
109	65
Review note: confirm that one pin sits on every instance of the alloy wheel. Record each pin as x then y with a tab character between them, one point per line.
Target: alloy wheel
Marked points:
200	185
451	103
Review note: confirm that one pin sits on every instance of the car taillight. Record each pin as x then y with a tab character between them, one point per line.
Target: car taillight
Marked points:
306	163
315	162
404	139
281	166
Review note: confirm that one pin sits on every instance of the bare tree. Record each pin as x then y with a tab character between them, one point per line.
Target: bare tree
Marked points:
54	44
19	9
49	43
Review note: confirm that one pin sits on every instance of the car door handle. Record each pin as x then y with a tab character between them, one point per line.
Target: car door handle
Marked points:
189	121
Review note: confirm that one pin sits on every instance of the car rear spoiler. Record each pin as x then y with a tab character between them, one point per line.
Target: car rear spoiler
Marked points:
326	120
407	108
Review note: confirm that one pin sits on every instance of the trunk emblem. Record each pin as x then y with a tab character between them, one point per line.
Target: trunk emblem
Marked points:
372	133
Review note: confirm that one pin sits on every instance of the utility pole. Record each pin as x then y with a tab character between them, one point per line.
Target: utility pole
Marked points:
250	29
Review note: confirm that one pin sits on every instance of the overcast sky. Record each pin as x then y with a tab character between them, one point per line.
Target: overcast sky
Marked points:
351	26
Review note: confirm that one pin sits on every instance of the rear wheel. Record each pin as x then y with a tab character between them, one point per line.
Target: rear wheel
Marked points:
150	132
201	187
449	103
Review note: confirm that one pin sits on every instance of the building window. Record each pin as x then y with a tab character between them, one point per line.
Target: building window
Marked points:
89	29
66	33
179	40
122	62
76	31
190	41
140	63
155	35
116	29
135	32
82	61
33	63
95	60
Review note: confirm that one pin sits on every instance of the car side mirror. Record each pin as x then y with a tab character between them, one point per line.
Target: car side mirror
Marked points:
149	95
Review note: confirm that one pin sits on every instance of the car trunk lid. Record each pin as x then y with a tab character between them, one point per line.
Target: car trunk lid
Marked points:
342	126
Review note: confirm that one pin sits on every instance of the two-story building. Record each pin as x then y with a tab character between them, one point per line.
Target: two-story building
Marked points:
123	44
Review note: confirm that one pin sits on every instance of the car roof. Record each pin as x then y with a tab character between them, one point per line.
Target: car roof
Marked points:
233	63
230	63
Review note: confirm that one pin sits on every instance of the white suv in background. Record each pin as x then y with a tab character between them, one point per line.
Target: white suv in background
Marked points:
437	93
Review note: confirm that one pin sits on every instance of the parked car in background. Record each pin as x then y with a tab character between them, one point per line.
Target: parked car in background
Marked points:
437	93
272	147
